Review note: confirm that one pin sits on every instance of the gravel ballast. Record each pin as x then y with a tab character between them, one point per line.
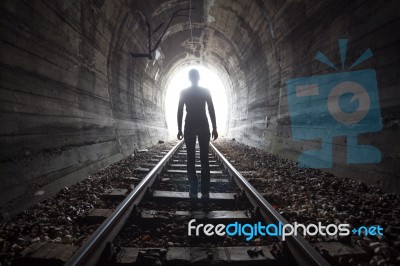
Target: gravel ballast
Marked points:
59	218
300	195
311	196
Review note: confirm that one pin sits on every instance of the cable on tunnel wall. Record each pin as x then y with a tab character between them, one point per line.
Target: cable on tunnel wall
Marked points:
190	24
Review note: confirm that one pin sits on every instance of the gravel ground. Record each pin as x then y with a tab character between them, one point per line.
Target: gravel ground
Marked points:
312	196
301	195
57	219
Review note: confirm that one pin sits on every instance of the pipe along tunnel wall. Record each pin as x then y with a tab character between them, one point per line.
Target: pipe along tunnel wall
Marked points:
73	99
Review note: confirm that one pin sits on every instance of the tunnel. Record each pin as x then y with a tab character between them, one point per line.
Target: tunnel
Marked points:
83	83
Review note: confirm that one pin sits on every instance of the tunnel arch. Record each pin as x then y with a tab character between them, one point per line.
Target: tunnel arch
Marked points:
79	101
263	45
247	46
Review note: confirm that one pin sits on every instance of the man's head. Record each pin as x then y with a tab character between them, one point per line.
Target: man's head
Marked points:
194	76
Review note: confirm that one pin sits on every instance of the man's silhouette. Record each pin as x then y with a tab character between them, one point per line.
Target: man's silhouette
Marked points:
196	124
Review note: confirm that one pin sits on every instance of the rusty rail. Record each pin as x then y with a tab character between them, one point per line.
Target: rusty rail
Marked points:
90	252
302	251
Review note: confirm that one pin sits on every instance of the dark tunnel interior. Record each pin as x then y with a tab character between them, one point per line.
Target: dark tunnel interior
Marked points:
74	99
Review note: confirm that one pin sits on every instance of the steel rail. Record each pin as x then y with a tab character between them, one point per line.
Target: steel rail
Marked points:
89	253
302	251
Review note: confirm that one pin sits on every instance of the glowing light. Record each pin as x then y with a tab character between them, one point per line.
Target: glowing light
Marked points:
209	80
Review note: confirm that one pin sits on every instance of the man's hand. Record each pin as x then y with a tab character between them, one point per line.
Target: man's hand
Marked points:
214	134
180	135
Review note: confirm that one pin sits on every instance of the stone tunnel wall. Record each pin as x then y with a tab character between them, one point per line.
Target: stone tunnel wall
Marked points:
283	41
72	99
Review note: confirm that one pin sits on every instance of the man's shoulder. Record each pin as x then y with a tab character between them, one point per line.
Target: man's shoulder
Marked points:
185	91
197	89
205	90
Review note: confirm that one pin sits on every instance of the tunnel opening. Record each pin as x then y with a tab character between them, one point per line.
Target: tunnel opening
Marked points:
208	79
89	97
77	101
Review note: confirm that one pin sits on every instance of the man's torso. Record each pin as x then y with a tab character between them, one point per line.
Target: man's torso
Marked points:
195	99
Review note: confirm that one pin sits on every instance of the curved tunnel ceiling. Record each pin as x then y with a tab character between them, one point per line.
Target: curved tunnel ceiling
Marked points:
76	98
255	46
222	32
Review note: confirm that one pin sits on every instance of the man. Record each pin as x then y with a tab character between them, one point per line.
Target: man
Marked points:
196	124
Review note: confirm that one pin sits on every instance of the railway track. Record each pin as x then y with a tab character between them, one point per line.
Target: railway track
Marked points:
135	230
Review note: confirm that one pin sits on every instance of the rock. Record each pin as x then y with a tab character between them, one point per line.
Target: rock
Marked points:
381	262
145	237
170	244
378	250
377	258
372	262
15	247
35	240
374	244
21	240
343	260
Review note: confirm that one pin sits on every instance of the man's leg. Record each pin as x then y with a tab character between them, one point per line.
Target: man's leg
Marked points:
204	141
190	141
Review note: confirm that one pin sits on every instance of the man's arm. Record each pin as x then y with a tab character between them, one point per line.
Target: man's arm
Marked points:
180	115
211	110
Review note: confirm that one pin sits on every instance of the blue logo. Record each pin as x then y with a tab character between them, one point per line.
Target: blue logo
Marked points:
368	231
345	103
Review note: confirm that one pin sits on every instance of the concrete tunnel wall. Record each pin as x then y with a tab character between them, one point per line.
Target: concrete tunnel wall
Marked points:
73	99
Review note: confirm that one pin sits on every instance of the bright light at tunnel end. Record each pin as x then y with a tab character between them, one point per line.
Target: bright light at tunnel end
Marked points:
209	80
